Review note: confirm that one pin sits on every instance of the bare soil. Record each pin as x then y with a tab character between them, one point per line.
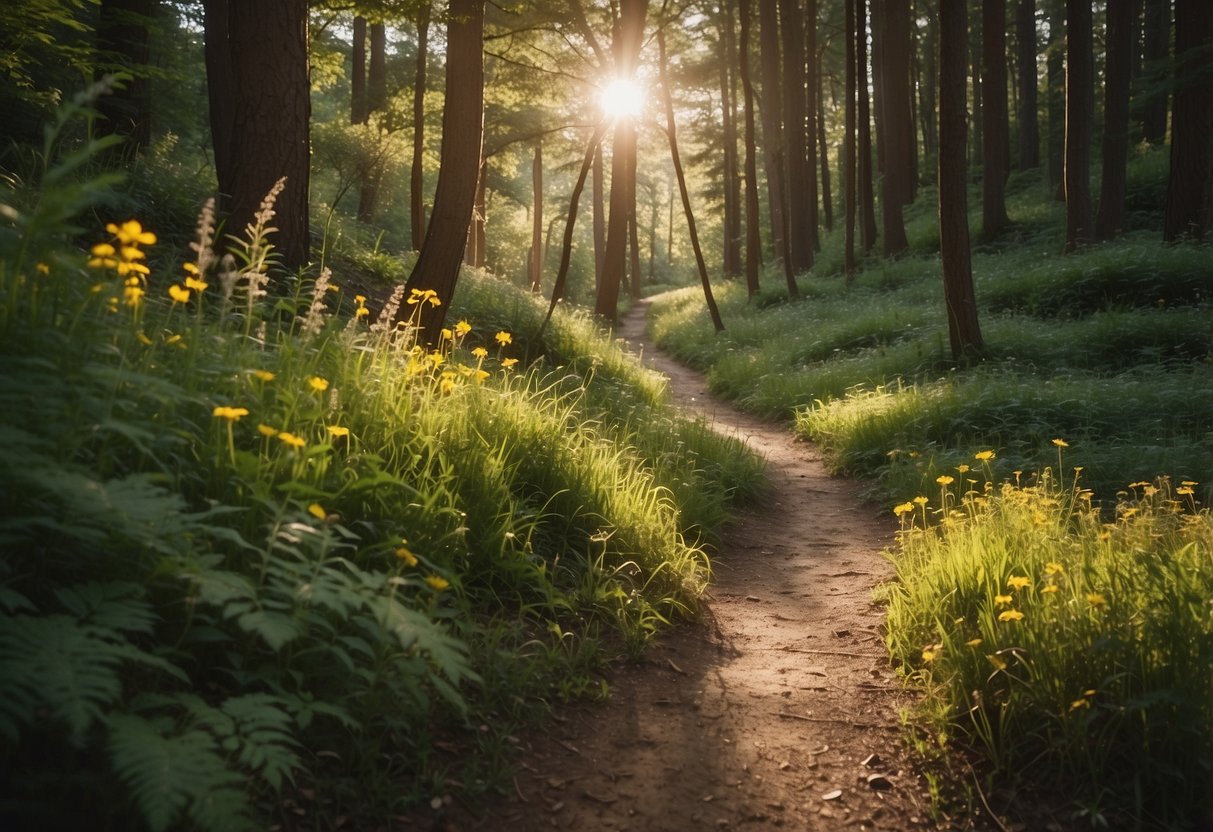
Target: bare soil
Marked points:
776	709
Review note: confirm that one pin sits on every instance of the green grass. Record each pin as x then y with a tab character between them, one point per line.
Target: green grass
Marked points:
257	545
1109	352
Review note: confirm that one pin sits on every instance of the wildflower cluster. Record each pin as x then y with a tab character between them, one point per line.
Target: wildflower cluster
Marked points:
123	256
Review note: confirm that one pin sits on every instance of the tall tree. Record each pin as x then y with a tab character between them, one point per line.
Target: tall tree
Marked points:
752	239
1028	119
732	178
926	90
536	263
123	45
376	100
865	195
358	72
1055	95
629	35
598	210
848	141
772	120
995	129
1080	115
811	87
1190	186
898	124
417	170
1156	40
1118	66
801	191
442	251
823	152
258	89
671	132
964	331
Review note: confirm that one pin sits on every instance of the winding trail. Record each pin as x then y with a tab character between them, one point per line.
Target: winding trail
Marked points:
778	709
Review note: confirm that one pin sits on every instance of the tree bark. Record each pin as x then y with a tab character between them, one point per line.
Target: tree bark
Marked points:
772	125
1190	186
752	238
809	57
1080	114
628	38
633	221
898	124
442	251
964	331
800	193
823	149
376	101
676	159
926	92
474	251
598	207
417	170
1118	66
848	143
995	130
1029	121
261	122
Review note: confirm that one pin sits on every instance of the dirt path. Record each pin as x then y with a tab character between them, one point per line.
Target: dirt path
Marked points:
763	714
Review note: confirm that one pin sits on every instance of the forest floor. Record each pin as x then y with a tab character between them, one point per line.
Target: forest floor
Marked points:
777	708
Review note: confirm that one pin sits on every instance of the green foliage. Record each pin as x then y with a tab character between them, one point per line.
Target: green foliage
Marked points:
1069	646
244	536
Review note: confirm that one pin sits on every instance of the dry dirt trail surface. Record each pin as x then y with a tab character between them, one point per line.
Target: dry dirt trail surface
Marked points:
777	710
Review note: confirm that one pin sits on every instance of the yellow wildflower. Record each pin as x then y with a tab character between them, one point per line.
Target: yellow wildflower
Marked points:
436	583
131	233
931	651
143	339
263	375
1061	443
463	328
317	511
1049	589
1002	600
1018	581
507	363
973	642
962	468
338	432
903	508
195	284
1054	568
446	334
291	439
407	557
921	501
317	383
1095	599
178	294
944	480
480	352
42	268
1010	615
504	338
232	414
997	661
266	430
985	456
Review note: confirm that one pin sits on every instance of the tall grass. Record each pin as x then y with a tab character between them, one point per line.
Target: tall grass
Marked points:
262	549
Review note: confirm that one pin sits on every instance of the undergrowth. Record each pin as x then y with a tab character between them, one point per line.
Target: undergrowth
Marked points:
265	554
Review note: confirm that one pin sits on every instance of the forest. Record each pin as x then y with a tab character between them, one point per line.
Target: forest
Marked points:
327	474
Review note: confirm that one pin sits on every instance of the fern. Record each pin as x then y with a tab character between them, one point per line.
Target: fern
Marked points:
176	775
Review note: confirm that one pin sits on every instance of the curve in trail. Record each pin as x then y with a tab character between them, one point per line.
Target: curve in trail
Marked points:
777	709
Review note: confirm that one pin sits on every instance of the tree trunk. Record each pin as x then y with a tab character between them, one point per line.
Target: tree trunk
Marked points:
926	93
358	72
1080	114
848	144
262	121
823	149
123	45
800	195
672	134
1029	123
1055	95
995	130
598	207
867	199
964	331
633	222
752	239
474	253
376	101
732	178
1190	187
537	219
442	251
417	171
810	109
976	120
1118	63
898	124
628	38
772	121
1156	39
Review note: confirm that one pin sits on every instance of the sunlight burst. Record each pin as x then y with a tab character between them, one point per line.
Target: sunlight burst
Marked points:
622	98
